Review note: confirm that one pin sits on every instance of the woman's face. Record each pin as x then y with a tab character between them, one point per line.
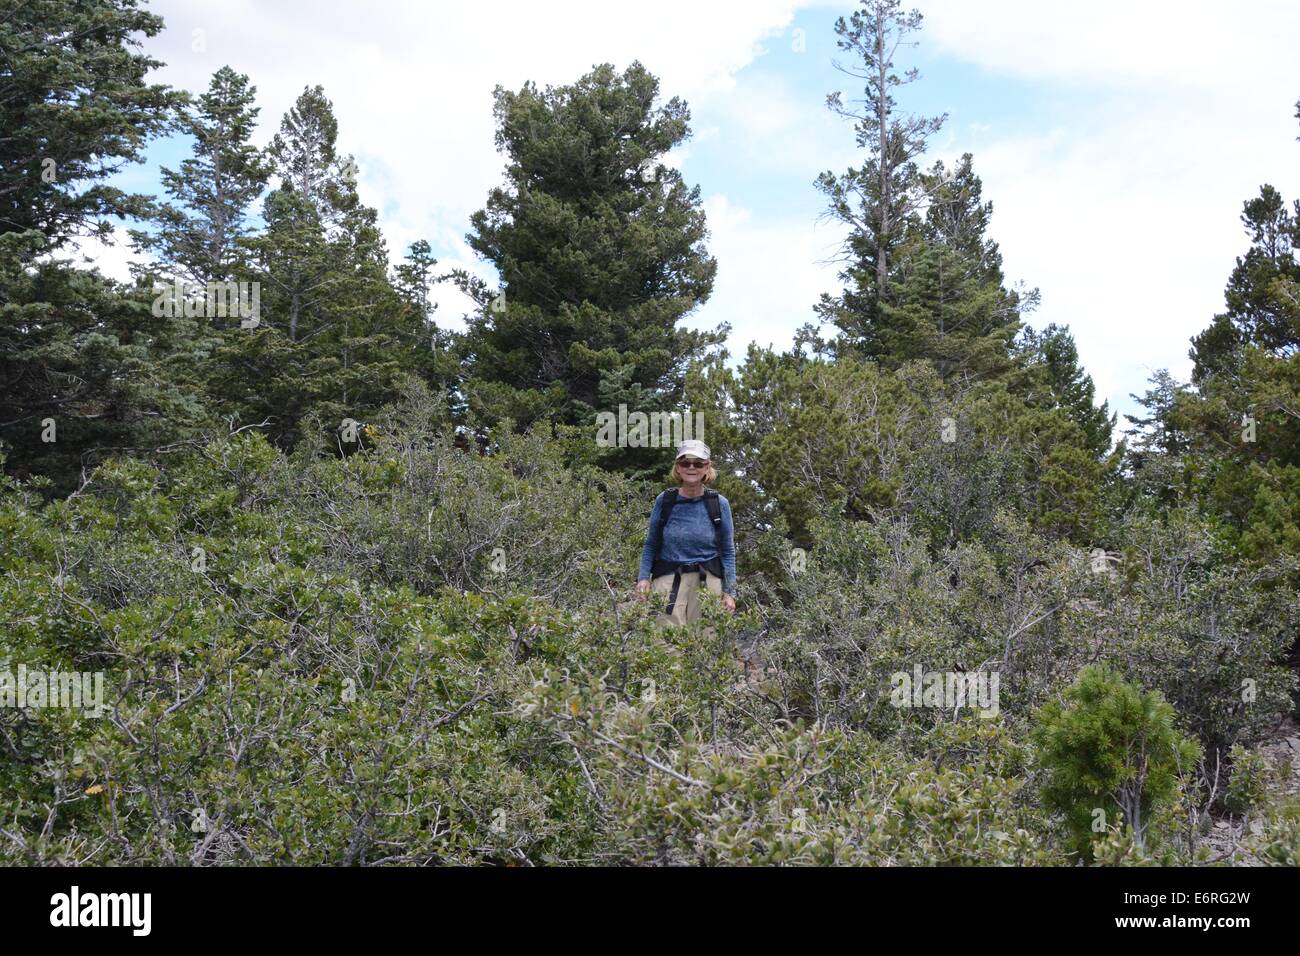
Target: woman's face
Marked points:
692	470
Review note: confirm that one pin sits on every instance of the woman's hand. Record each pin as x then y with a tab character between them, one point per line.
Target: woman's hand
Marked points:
642	589
729	603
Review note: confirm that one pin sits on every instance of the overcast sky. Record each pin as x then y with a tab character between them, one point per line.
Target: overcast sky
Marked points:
1117	141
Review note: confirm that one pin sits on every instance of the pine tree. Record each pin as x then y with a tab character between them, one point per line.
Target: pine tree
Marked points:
335	337
941	311
372	338
957	217
304	215
1240	418
437	360
1112	746
1058	380
877	200
85	367
74	108
414	276
197	239
922	279
600	252
1261	307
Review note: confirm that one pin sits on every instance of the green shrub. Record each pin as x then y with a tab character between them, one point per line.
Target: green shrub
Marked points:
318	656
1248	784
1111	753
1278	842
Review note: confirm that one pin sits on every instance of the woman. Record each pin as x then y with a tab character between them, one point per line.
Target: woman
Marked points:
690	542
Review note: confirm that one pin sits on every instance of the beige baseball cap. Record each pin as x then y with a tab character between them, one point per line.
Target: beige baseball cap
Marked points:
693	446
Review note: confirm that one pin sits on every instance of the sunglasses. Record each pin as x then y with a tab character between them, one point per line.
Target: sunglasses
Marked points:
692	463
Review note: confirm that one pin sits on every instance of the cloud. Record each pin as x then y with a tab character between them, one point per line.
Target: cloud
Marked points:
1195	44
770	273
1124	208
112	256
768	126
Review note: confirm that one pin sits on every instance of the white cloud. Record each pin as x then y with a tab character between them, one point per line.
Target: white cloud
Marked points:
112	256
769	128
1199	44
1166	118
770	272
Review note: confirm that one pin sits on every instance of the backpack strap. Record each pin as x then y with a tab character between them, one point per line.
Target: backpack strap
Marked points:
714	507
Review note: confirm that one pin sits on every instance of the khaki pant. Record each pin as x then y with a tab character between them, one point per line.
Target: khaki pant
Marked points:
687	608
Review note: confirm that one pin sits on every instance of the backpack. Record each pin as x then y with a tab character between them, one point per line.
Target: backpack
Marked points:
711	504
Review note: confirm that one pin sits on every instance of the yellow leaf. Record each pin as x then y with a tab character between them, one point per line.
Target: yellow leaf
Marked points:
95	788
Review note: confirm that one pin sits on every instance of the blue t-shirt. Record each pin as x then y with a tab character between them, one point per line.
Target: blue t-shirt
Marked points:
689	538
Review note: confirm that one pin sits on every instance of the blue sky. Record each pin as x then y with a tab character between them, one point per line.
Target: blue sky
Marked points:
1116	140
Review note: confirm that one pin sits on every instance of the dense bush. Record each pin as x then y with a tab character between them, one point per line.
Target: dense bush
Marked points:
326	660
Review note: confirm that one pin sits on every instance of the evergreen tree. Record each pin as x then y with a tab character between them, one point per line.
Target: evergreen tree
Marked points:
877	200
941	312
958	218
437	359
1111	746
414	276
1262	309
334	338
1159	431
85	366
304	216
600	252
372	340
1230	441
74	108
198	239
923	281
1244	415
1058	380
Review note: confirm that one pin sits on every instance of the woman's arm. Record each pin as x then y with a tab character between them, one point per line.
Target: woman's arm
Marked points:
648	551
728	549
